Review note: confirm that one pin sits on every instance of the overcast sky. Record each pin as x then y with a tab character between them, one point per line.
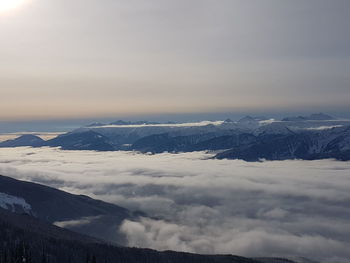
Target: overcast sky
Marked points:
87	58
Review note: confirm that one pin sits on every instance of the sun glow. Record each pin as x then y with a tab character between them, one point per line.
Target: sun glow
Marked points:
6	5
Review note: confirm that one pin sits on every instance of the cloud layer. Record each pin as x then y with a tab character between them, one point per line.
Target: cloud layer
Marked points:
197	204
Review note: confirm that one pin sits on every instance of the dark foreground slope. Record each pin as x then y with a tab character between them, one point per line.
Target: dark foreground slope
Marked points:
24	237
48	204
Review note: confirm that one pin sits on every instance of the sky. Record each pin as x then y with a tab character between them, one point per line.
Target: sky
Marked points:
204	205
101	58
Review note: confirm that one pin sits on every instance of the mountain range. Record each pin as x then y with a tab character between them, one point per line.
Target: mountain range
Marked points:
316	136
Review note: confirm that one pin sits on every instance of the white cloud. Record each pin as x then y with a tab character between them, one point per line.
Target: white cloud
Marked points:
196	204
79	222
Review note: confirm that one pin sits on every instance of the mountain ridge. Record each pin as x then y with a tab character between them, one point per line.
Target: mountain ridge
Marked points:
250	138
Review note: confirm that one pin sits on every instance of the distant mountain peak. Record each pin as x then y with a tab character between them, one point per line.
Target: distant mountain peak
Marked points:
95	124
321	116
23	140
120	122
295	118
312	117
84	140
246	119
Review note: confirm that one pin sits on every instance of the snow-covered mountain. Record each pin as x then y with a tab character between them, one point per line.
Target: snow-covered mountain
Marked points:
306	144
249	138
24	140
312	117
85	140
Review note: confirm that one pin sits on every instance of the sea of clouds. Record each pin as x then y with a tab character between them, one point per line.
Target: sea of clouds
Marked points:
199	204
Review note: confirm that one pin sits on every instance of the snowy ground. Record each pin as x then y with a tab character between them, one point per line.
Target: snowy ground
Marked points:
12	203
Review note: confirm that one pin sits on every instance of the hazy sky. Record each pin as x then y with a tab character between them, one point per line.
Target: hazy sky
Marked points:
64	58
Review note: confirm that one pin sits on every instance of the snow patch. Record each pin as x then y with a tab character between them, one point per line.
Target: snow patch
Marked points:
269	121
320	128
76	222
11	202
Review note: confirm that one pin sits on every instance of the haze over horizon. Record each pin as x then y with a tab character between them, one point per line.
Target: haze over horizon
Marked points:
98	59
